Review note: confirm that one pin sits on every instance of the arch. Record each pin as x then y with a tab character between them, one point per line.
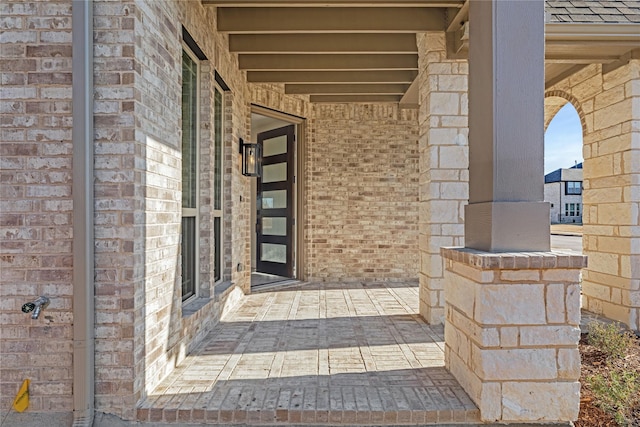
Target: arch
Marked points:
552	106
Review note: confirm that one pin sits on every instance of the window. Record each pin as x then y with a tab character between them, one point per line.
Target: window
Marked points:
218	106
573	187
572	209
190	175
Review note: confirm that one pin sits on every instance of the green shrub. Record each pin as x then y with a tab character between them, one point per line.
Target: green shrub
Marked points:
617	393
609	339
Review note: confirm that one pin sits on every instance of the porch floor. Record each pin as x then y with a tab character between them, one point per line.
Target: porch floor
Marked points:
317	354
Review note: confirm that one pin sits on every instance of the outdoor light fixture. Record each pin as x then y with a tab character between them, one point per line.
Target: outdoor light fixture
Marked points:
251	159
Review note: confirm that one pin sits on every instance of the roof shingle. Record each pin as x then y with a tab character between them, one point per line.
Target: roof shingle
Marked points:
585	11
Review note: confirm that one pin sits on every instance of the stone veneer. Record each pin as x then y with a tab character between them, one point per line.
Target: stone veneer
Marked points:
512	331
609	107
444	162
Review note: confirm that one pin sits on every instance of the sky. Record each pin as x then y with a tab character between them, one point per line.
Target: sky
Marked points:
563	140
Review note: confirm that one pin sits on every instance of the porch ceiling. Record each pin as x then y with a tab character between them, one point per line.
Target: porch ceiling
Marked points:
332	50
365	50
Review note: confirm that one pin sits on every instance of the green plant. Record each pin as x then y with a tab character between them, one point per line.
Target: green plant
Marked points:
609	339
617	392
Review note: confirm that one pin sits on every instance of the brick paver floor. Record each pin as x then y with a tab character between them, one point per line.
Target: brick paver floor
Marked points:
317	354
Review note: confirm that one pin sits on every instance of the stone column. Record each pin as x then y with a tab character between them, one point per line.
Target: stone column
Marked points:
611	284
512	331
506	112
444	162
512	306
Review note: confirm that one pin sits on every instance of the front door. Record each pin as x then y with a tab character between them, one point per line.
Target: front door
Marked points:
275	213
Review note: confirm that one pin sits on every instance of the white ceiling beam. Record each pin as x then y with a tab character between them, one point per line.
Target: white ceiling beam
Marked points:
327	20
294	62
380	76
323	43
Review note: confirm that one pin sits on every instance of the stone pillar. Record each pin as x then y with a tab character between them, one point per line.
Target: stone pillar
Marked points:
611	284
512	331
444	160
506	211
512	307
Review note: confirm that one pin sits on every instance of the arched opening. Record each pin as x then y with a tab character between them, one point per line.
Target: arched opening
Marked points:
563	181
563	137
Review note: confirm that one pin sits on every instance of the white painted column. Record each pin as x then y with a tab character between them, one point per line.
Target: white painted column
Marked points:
506	211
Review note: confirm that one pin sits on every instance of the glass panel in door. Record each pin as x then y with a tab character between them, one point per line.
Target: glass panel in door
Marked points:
274	199
274	173
274	226
273	253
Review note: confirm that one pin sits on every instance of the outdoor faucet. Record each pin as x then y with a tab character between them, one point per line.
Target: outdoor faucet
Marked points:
36	306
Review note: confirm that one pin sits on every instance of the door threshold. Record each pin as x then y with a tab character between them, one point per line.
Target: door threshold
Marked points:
261	282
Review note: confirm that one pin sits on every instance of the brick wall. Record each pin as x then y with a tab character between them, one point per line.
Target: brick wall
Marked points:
361	187
362	195
142	327
36	203
273	96
158	54
119	232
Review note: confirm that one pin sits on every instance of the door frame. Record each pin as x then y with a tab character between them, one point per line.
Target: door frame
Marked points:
300	212
288	212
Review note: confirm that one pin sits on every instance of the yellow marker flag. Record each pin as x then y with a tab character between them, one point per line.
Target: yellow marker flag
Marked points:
21	401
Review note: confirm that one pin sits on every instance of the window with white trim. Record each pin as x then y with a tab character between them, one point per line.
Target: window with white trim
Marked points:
218	145
189	253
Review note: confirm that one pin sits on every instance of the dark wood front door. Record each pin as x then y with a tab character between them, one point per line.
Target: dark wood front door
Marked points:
275	212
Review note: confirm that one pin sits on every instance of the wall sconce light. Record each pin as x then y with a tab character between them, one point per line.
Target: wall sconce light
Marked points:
251	159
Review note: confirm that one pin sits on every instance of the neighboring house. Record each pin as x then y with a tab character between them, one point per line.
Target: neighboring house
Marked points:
563	190
387	138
